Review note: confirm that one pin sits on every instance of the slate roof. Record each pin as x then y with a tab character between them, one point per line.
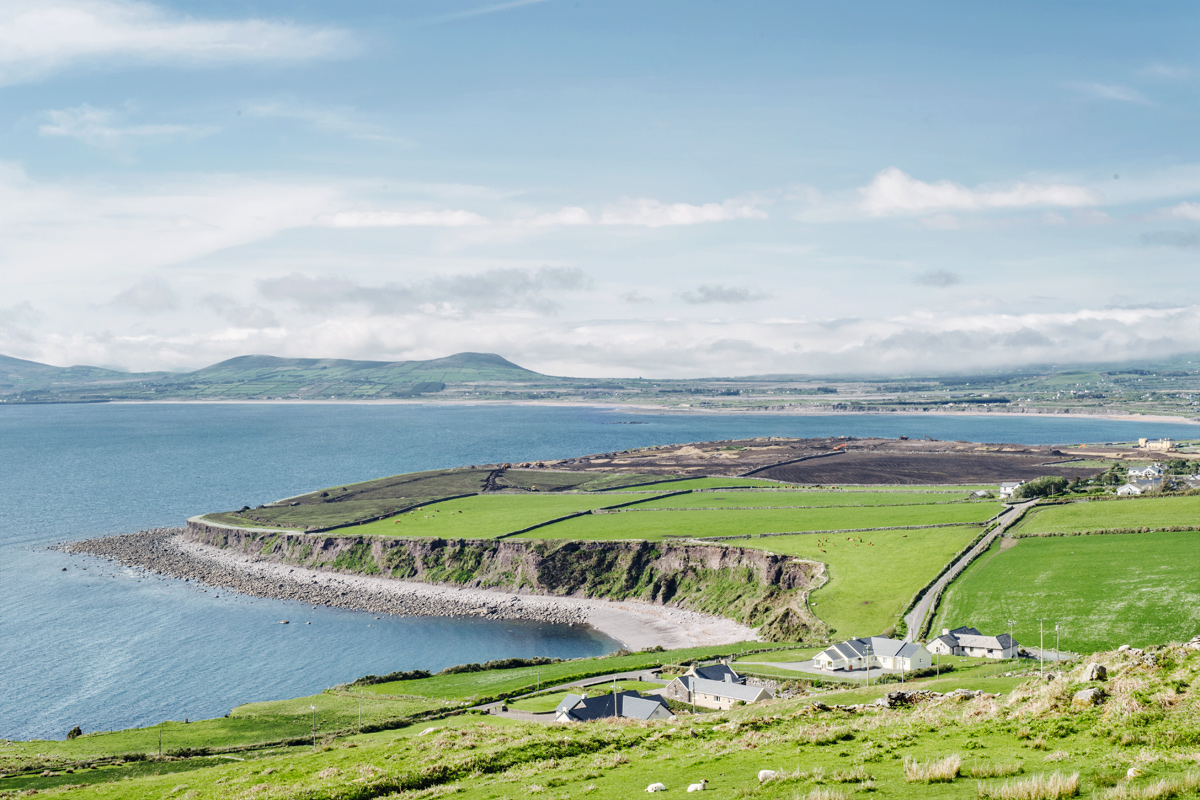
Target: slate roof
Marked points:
718	672
629	704
970	637
734	691
880	646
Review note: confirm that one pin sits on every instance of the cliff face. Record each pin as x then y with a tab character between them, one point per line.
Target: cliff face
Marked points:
764	590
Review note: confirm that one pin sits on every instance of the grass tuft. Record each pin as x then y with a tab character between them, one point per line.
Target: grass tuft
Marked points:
943	770
1054	786
995	770
1162	789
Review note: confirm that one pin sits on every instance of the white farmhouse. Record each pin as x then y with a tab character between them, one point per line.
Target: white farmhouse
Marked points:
1008	487
970	642
1148	473
876	652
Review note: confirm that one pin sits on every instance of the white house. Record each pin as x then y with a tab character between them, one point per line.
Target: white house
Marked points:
1008	487
875	652
970	642
630	705
716	686
1151	472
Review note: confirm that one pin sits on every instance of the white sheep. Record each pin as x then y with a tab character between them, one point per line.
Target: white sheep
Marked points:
1134	772
656	787
699	787
765	775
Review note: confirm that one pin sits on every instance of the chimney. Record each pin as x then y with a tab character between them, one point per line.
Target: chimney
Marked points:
945	631
729	677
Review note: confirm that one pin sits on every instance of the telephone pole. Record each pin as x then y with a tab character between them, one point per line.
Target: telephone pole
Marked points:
1041	644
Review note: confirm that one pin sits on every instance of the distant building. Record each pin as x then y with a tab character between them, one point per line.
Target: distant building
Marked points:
1008	487
1138	487
1152	471
716	686
629	705
1159	445
970	642
876	652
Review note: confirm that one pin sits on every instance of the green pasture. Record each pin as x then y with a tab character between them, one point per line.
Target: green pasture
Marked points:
1096	515
783	656
798	499
1102	590
925	489
246	725
482	516
656	525
872	576
547	480
1027	733
475	685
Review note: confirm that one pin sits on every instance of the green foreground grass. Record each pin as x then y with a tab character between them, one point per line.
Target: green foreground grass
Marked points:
1108	514
1150	719
1102	590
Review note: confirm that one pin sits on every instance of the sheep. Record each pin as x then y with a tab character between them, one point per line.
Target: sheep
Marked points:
765	775
1134	772
699	787
656	787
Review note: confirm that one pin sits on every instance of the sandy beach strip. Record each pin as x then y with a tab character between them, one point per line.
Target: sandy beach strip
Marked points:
636	625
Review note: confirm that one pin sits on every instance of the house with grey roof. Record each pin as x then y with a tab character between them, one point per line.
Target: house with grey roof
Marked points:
876	652
1007	488
716	686
629	705
1140	486
970	642
1150	472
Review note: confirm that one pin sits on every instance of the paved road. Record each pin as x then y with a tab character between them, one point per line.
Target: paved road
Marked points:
916	617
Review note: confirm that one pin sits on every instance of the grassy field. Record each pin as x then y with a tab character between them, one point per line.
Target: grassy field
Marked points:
798	499
474	685
656	525
483	516
1102	590
872	576
1133	512
1027	734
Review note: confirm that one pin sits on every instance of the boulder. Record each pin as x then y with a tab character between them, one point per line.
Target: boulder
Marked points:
1087	698
1095	672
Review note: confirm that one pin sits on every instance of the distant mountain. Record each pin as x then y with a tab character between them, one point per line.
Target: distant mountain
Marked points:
263	377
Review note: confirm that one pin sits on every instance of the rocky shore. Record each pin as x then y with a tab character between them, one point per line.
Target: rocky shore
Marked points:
166	551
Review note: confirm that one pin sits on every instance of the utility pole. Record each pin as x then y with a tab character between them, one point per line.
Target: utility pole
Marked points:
1041	644
868	666
1057	652
360	711
160	726
1012	622
314	726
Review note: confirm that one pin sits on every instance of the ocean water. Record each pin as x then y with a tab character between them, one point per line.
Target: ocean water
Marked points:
83	642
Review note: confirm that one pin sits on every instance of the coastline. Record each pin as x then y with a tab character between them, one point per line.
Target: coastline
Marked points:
648	408
635	625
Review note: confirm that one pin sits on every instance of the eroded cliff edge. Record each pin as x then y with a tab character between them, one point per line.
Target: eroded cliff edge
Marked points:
764	590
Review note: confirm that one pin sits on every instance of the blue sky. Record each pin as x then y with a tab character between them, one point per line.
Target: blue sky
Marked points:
598	187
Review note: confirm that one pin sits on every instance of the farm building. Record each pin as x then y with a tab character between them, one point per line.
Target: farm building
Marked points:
875	652
717	686
970	642
1008	487
630	705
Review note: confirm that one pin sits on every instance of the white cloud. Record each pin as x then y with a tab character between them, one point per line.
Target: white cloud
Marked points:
402	219
101	127
338	120
1106	91
894	192
1170	72
1188	211
570	215
655	214
491	9
40	37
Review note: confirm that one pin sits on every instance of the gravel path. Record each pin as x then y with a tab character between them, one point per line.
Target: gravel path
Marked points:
635	625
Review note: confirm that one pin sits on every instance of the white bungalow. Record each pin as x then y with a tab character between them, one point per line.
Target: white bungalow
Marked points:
1008	487
877	652
970	642
1149	473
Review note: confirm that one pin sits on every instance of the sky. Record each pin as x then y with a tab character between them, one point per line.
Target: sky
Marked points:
642	188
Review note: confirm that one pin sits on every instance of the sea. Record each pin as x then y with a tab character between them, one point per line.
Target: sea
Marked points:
89	643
